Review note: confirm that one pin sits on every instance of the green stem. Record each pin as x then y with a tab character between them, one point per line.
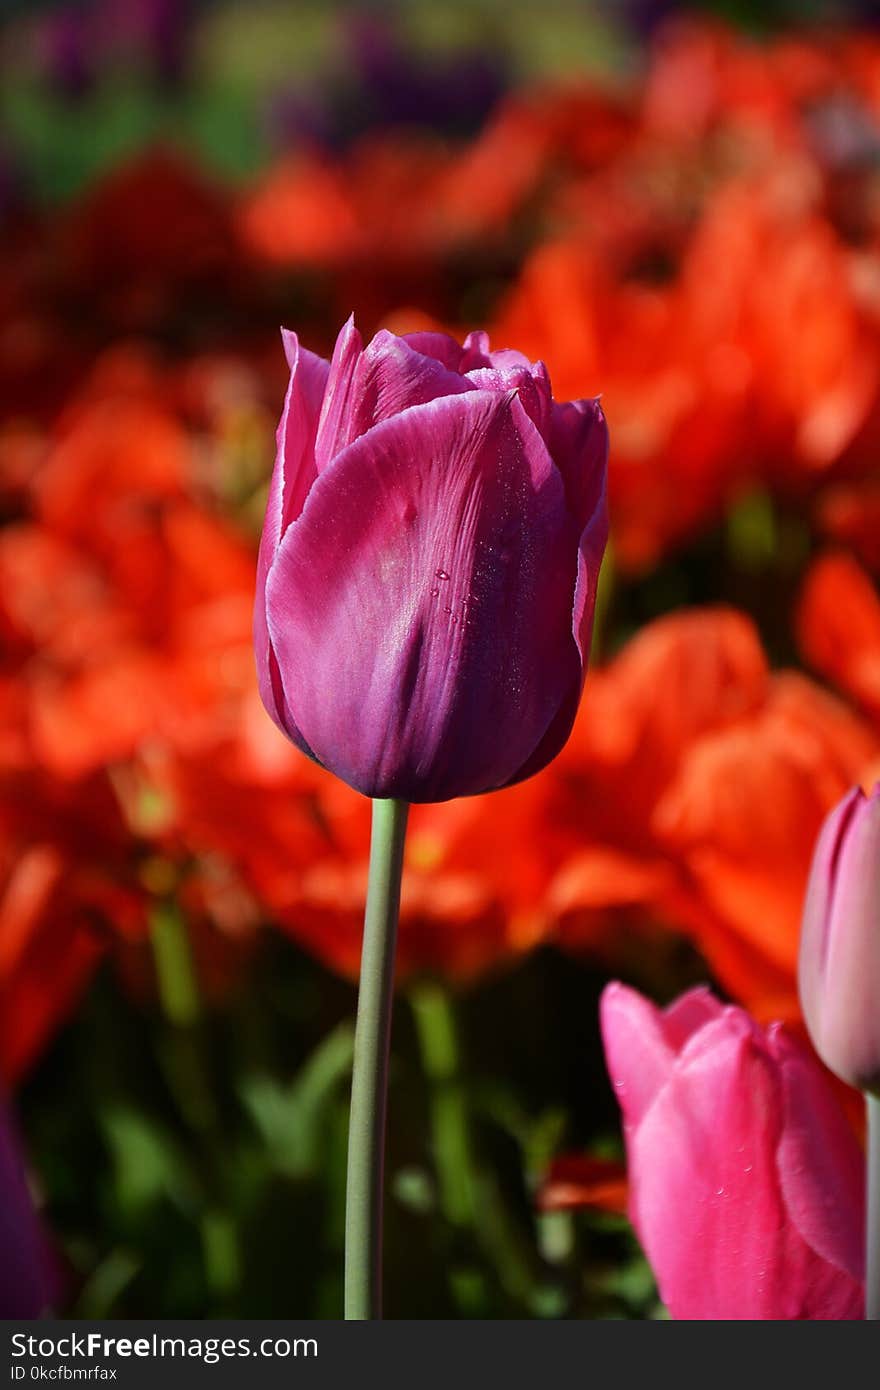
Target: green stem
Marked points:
872	1262
369	1081
178	988
175	973
188	1074
469	1196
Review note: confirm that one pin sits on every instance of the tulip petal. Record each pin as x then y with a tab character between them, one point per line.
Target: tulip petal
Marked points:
295	437
475	351
554	739
707	1199
689	1012
848	1037
292	477
638	1056
813	952
579	445
392	376
338	394
819	1158
433	559
531	383
441	346
388	376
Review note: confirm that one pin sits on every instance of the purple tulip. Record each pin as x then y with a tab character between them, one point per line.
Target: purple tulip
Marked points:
839	971
381	81
27	1277
429	561
67	53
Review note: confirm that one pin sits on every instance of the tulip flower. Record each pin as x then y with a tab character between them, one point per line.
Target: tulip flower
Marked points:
425	594
839	967
746	1181
839	976
429	562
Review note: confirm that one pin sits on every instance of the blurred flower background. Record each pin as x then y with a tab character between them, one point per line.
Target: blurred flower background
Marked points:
675	206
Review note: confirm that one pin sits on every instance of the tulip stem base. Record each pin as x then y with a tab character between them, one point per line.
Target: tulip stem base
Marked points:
369	1082
872	1207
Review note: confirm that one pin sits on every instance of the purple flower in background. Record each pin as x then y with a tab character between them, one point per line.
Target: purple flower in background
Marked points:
454	91
27	1277
67	50
78	43
382	83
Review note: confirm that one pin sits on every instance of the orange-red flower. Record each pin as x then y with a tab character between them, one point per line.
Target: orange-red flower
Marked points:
67	883
700	781
849	514
839	628
297	842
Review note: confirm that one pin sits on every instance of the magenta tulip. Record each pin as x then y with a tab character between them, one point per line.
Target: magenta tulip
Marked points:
839	970
429	561
746	1181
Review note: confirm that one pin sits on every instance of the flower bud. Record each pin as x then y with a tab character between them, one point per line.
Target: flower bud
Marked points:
429	563
746	1181
839	966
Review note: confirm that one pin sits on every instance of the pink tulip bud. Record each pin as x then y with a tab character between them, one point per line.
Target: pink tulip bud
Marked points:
746	1181
839	970
429	562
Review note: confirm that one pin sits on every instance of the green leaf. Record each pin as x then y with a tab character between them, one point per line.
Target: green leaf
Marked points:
291	1119
148	1165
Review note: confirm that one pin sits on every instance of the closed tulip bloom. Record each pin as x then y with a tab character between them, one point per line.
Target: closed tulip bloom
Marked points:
429	560
839	967
746	1181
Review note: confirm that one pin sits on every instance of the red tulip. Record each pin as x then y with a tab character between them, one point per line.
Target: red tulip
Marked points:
746	1182
429	563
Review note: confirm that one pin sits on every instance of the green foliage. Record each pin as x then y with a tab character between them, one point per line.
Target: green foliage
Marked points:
161	1207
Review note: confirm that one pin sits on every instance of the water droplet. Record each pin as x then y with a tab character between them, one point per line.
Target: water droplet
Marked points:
441	574
719	1192
447	609
454	619
748	1168
435	593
